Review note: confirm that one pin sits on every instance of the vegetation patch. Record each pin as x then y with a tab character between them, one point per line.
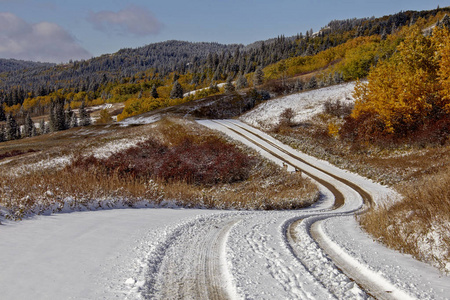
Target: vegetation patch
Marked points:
420	223
180	163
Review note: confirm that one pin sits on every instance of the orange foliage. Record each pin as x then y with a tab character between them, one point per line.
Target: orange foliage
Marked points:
406	91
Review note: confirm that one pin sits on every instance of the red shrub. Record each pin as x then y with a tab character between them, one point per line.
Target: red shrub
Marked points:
207	163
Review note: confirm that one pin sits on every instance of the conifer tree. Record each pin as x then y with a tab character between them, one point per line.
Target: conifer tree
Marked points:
2	113
241	82
298	85
85	118
229	87
57	115
312	84
28	127
11	130
68	117
73	121
258	77
154	92
177	91
43	127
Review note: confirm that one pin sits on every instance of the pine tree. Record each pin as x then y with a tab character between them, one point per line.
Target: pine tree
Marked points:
2	113
312	84
258	77
177	91
28	127
154	92
241	82
43	127
213	88
57	116
229	87
11	130
298	85
68	117
2	134
84	116
73	121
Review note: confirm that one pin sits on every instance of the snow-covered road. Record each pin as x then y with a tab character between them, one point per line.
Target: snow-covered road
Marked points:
205	254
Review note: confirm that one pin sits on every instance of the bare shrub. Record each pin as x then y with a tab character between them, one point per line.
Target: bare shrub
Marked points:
286	117
338	108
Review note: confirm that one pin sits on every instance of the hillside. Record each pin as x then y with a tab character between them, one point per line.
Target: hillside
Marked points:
113	77
11	65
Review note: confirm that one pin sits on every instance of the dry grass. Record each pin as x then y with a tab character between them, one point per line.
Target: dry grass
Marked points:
85	182
418	225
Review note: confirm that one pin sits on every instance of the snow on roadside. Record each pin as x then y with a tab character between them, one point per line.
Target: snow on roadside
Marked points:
83	255
415	278
305	105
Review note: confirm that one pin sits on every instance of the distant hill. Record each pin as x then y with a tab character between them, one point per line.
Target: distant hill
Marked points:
205	61
9	65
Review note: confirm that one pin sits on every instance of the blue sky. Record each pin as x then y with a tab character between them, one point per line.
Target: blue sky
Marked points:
59	30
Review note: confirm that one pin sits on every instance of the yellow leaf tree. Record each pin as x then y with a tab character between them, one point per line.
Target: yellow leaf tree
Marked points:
404	92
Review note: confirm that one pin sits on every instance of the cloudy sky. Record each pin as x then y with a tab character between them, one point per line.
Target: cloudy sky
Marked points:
59	30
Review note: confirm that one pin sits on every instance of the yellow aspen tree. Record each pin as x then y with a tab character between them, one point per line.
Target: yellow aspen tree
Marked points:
401	91
441	37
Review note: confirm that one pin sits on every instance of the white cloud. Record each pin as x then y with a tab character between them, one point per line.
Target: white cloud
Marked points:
46	42
134	20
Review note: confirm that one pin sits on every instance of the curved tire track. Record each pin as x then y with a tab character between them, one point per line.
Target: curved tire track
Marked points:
374	284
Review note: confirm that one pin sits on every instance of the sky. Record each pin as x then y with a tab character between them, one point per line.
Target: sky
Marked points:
60	30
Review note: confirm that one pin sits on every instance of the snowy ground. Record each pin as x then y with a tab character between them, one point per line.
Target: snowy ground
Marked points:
305	105
204	254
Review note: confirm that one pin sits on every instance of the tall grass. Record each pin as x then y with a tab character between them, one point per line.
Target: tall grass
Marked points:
420	223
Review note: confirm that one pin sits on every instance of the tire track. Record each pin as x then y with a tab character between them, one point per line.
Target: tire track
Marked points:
348	266
192	266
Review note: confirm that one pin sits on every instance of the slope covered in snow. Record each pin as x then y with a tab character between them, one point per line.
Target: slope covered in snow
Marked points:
305	105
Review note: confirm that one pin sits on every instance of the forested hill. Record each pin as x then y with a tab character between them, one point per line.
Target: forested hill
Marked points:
206	62
9	65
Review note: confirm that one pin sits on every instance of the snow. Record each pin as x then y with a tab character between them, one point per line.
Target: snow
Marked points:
81	255
175	253
115	146
137	120
195	91
49	163
396	271
305	105
160	253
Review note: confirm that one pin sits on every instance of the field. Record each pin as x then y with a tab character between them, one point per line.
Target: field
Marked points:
171	163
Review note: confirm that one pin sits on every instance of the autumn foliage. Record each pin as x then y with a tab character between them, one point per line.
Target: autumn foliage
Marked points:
407	93
187	158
